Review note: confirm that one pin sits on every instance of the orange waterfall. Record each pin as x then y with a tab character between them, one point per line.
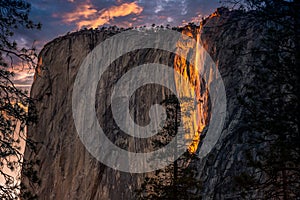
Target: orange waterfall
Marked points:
194	114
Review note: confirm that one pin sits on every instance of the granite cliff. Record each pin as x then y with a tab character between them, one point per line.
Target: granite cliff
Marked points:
68	171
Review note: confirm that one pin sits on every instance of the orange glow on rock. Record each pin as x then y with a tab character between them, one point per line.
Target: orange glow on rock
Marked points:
196	120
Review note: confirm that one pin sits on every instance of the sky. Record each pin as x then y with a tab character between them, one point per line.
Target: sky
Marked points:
59	17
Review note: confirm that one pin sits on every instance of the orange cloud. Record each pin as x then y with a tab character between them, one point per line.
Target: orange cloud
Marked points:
87	16
83	11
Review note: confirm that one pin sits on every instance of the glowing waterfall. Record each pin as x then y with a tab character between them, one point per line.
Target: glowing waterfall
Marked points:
194	118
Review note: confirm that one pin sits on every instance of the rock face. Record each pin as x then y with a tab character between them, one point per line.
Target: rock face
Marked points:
227	159
68	171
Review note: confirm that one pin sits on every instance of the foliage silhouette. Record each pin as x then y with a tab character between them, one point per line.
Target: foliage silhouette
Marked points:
14	102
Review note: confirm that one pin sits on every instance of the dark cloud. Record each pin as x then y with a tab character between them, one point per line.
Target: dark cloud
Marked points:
174	12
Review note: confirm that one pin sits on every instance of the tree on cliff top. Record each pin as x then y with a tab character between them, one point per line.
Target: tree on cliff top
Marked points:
13	101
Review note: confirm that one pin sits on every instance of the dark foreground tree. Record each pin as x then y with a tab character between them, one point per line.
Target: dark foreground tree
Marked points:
272	102
177	180
14	102
168	184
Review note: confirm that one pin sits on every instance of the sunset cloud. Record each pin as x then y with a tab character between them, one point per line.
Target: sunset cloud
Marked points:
82	11
88	16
